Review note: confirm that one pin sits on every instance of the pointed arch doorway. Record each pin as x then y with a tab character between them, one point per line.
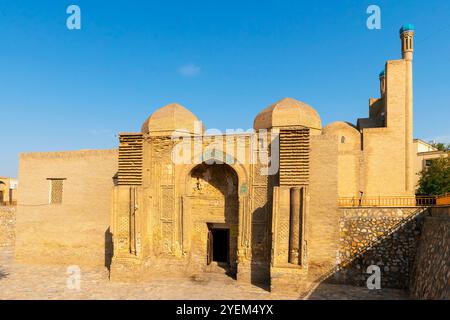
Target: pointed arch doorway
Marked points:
211	211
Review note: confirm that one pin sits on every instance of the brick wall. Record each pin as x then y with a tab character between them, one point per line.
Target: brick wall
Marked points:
75	231
322	218
385	148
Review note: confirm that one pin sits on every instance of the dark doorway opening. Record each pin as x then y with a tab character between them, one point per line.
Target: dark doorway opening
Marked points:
220	245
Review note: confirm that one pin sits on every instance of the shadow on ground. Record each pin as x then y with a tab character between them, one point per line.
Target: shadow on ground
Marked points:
327	291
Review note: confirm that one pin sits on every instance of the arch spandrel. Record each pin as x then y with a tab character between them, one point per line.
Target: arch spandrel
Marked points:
199	158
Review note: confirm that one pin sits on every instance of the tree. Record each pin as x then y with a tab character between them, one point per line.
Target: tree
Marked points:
435	180
441	146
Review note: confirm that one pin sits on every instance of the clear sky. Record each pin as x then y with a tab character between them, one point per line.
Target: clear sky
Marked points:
66	89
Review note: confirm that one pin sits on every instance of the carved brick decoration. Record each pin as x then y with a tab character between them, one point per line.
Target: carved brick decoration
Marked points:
260	204
258	178
283	239
167	203
167	217
161	149
167	174
130	159
280	226
167	236
294	157
123	233
123	226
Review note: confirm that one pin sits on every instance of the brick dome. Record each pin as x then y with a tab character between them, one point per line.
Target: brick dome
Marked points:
169	119
288	113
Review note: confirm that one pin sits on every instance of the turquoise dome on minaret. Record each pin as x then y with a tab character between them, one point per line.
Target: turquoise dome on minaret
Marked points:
407	27
382	73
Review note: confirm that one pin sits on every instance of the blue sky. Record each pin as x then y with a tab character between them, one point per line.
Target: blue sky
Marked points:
224	60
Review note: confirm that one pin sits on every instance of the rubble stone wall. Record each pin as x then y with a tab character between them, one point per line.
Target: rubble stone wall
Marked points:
385	237
431	275
7	225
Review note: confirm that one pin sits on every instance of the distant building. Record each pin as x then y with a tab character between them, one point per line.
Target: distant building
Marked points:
426	153
8	191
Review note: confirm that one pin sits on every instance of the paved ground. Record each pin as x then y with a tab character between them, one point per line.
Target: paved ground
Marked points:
49	282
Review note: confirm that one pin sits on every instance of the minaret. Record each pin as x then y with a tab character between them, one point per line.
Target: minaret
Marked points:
407	38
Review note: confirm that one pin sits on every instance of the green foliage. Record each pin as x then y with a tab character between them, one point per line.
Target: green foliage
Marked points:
441	146
435	180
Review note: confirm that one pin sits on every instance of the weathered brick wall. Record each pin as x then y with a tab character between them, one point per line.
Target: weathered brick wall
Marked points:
77	230
387	237
431	275
322	220
7	224
349	157
385	149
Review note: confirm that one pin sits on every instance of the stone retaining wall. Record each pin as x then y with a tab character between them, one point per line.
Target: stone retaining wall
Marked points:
386	237
431	274
7	225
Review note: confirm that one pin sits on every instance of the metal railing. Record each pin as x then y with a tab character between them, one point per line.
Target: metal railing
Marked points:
425	201
418	201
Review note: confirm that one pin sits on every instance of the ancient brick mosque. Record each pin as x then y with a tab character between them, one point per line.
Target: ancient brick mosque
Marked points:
277	206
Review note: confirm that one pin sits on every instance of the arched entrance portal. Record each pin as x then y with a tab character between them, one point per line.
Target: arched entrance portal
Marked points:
3	190
214	211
